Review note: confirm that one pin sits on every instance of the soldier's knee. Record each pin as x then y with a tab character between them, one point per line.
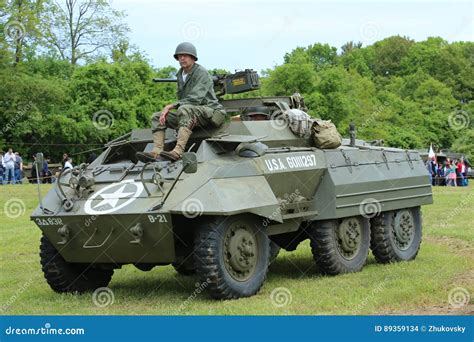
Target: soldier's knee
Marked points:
184	110
185	116
155	117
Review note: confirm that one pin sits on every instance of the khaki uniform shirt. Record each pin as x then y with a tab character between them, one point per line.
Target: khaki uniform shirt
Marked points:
198	89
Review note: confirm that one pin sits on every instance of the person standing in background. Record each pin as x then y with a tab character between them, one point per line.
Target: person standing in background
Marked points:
34	176
45	171
2	168
68	164
18	168
65	159
451	174
464	171
461	170
9	164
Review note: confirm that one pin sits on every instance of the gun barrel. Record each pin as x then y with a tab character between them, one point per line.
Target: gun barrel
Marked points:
163	80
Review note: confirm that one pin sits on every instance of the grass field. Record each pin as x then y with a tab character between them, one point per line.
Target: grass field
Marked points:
444	269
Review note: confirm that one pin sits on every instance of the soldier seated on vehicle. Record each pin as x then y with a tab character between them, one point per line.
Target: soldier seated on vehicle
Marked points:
197	105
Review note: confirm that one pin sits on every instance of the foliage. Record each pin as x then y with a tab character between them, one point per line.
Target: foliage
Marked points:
79	29
58	74
398	90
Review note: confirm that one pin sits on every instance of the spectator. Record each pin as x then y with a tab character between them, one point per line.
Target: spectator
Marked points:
433	169
46	174
68	164
451	174
459	175
18	168
1	168
429	168
440	174
65	159
461	168
9	164
463	172
468	171
34	176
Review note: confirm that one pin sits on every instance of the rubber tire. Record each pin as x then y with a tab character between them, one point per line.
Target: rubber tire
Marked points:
325	251
383	247
274	251
63	276
210	259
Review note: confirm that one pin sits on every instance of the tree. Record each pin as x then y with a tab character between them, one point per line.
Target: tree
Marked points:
350	46
296	76
348	97
78	30
30	113
465	144
358	59
422	55
320	55
388	54
20	22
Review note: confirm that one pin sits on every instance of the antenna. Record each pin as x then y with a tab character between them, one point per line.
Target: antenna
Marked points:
39	163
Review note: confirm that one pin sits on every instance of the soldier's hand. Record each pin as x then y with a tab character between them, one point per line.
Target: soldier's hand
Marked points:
163	116
164	113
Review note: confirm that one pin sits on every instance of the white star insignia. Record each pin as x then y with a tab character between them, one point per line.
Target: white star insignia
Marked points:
113	198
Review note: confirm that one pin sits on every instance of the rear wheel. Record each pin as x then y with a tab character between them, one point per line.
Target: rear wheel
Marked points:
232	256
340	246
396	235
63	276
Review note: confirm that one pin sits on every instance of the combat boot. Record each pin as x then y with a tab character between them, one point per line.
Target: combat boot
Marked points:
158	145
183	136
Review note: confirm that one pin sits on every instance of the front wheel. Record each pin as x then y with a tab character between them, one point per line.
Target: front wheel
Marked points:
340	246
232	256
396	235
274	251
63	276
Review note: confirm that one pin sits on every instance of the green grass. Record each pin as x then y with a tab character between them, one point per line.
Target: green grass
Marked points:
444	262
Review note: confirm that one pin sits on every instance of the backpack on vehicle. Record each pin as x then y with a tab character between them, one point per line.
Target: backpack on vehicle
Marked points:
325	134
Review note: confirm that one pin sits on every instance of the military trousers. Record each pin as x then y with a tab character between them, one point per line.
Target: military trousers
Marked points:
187	116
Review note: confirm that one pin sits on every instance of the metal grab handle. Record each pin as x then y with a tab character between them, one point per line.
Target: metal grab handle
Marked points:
103	243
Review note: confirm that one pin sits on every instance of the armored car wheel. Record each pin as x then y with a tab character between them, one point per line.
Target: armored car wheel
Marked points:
63	276
274	251
232	256
340	246
396	235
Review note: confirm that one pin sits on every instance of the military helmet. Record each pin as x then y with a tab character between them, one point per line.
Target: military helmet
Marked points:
256	113
185	49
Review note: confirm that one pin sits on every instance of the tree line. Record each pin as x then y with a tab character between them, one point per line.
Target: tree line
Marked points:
70	80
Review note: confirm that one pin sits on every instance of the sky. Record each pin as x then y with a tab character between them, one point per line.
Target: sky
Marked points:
236	35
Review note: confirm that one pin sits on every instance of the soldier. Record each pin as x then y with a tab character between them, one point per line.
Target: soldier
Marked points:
197	104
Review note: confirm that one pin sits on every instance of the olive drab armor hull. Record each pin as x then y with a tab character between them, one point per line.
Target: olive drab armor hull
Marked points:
241	192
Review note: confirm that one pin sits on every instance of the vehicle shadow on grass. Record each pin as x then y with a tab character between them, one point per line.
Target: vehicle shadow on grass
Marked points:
295	267
175	285
180	287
